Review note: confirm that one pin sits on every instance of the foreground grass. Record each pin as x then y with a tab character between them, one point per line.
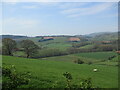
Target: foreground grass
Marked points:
46	72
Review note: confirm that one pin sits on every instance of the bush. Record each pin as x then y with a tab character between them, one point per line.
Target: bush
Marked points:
111	57
80	61
84	84
89	63
68	77
75	61
11	79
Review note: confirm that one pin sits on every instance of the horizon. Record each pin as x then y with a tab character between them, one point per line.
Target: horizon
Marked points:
59	34
60	18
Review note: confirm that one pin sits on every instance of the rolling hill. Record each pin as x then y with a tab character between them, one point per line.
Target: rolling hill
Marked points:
44	73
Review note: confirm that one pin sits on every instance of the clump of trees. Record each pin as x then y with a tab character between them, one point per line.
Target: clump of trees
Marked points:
8	46
29	47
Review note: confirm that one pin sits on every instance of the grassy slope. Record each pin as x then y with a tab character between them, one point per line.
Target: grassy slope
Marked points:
87	46
58	42
97	55
94	57
45	73
105	37
71	58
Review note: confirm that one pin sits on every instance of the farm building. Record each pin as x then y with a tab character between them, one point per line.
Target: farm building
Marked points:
74	39
46	39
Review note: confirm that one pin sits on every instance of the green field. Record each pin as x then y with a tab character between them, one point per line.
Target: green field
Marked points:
46	72
94	57
87	46
58	42
97	55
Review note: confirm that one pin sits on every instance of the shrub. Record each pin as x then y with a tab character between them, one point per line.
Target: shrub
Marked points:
12	79
75	61
84	84
68	77
111	57
89	63
80	61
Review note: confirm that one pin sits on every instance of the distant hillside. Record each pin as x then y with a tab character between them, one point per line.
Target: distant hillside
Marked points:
12	36
103	36
99	33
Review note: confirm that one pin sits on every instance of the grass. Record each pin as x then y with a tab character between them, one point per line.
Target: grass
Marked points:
58	42
109	63
87	46
116	59
61	46
71	58
46	72
97	55
19	53
101	60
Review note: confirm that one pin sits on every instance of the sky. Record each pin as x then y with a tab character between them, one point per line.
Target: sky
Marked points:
58	18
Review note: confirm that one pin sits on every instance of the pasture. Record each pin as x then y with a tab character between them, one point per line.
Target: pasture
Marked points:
44	73
97	55
93	57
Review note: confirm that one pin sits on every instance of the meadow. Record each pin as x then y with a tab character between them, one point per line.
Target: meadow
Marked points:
47	71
